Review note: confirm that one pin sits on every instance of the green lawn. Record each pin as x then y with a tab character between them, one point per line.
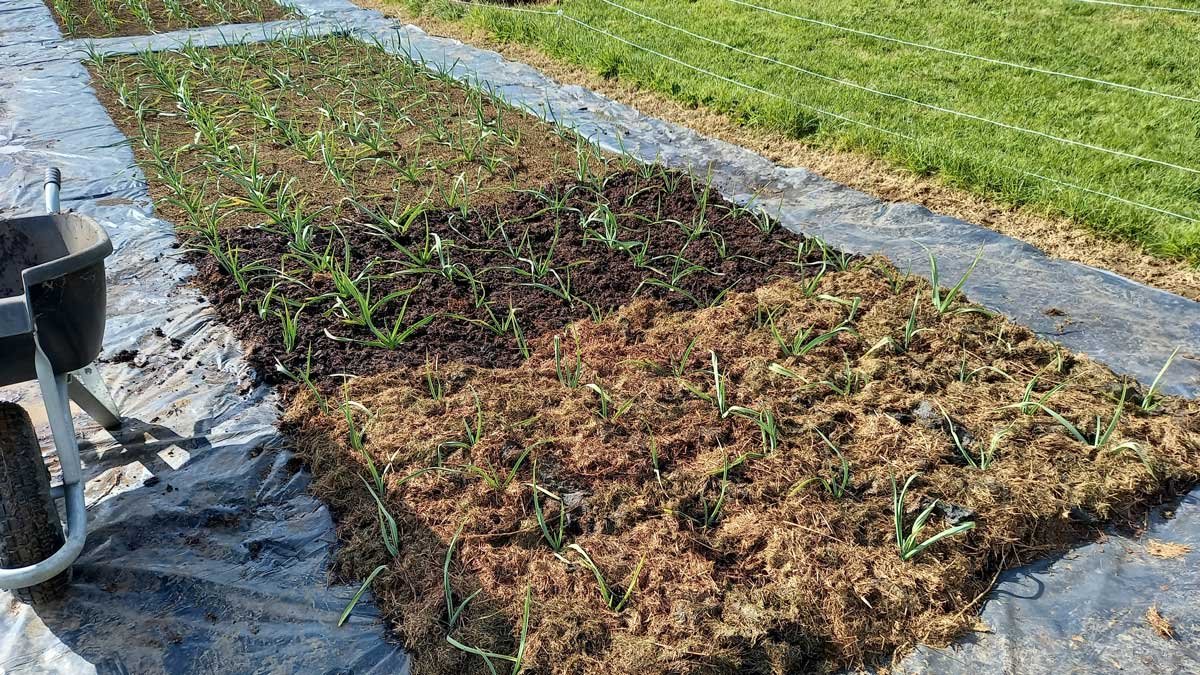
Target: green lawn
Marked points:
1151	50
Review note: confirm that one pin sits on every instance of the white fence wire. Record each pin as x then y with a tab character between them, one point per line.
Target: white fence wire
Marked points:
1054	181
1157	8
898	97
965	55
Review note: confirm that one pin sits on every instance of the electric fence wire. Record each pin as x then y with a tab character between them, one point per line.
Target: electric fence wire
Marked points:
1158	8
965	55
930	106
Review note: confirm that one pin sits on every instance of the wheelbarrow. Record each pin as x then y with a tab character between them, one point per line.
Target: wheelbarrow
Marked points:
52	312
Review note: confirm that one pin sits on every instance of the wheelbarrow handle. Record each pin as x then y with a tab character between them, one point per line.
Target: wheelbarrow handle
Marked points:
51	188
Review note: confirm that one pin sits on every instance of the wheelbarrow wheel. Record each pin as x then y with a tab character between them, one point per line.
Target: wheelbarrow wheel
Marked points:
30	530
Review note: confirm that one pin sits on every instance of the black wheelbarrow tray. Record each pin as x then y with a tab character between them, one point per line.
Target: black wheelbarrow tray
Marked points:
52	313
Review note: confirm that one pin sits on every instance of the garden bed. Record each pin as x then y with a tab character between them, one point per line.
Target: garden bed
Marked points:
605	420
452	205
111	18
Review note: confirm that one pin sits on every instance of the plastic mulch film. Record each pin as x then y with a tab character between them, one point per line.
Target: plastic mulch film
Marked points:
205	553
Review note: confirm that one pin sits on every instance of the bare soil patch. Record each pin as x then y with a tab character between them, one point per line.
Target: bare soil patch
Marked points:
501	247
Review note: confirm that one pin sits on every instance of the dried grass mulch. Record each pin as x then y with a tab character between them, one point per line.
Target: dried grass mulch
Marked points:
782	579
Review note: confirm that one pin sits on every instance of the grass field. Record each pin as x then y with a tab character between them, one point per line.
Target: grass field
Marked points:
1153	114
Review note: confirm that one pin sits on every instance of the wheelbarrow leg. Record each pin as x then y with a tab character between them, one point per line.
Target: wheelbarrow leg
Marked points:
87	390
58	410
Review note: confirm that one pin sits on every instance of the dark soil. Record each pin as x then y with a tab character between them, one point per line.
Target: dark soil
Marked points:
89	22
653	210
602	279
16	255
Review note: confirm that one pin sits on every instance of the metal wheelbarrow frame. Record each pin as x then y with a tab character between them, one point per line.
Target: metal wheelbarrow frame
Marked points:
51	333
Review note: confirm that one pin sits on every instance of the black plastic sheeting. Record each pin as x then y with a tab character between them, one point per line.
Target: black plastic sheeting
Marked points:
1086	611
216	564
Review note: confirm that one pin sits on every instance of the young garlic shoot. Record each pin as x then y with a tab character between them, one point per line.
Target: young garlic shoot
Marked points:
985	456
517	660
942	302
568	375
1101	434
908	541
615	601
1151	401
555	537
838	483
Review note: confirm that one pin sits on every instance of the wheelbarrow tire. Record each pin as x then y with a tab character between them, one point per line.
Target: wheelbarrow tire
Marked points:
30	529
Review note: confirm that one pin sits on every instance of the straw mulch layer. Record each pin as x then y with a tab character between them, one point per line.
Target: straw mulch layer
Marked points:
736	563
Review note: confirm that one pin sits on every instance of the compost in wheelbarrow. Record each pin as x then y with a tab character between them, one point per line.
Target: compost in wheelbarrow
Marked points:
17	251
